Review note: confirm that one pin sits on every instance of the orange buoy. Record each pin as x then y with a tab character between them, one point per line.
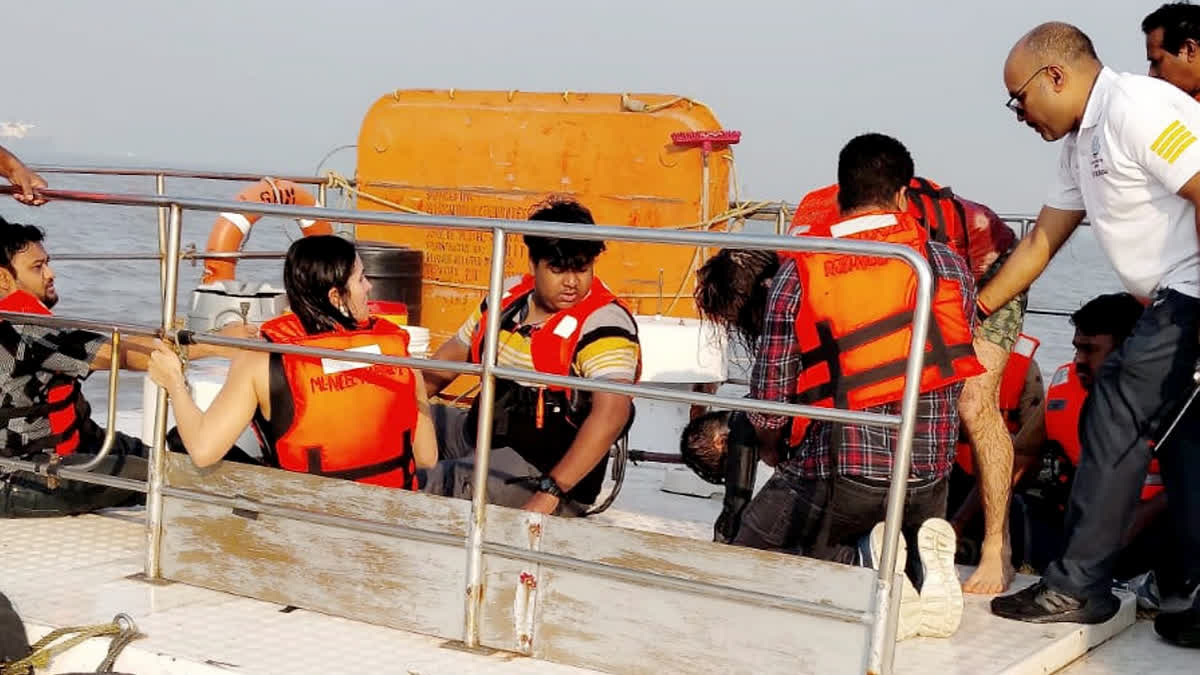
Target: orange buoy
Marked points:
230	230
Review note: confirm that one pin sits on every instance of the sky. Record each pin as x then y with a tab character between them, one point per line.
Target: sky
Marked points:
271	86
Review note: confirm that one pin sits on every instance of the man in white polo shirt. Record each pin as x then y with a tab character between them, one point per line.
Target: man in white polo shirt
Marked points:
1129	162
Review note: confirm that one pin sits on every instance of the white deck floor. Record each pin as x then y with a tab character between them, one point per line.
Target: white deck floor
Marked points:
71	571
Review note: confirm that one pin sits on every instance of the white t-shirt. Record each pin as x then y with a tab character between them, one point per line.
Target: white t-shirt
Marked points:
1135	148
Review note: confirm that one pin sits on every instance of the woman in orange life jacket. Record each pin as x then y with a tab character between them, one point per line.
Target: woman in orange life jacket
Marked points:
368	423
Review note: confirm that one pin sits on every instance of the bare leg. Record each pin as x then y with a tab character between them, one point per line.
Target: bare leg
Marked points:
980	410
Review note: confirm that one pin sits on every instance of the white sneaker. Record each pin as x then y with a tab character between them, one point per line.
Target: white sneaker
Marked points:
910	602
941	592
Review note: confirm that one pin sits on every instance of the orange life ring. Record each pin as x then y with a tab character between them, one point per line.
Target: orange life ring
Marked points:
231	229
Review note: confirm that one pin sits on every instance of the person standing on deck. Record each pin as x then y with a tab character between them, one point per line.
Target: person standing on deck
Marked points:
977	234
43	413
21	177
551	445
1128	162
1173	45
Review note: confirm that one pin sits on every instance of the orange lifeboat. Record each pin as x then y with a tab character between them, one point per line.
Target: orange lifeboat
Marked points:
230	230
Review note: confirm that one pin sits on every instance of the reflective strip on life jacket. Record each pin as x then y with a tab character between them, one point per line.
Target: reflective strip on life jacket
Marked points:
351	420
854	326
552	345
62	394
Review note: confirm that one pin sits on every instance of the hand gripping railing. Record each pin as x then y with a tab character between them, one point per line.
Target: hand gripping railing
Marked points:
885	608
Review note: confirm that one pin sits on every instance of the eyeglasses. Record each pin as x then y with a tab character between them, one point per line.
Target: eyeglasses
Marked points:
1014	103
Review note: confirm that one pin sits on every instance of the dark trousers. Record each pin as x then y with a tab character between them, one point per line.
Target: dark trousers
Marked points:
511	481
27	495
796	515
1137	393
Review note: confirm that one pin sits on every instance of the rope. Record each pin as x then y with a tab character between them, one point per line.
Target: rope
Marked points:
631	104
121	628
737	213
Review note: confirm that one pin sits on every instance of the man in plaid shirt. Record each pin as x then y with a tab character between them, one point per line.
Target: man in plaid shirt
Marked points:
794	511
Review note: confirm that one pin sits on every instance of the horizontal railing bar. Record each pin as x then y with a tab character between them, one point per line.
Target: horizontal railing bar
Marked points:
320	352
679	583
657	457
187	255
75	475
85	324
172	173
546	229
712	400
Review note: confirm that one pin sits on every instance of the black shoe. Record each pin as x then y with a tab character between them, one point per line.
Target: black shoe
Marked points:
1042	604
1179	628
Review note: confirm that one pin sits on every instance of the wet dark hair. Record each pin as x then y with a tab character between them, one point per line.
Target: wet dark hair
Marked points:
1112	314
313	266
14	238
872	168
732	293
561	253
699	449
1180	22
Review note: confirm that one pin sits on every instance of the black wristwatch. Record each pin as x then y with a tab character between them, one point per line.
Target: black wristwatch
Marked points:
550	487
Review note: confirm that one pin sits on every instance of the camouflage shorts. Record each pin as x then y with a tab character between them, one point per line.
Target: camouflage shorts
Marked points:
1005	324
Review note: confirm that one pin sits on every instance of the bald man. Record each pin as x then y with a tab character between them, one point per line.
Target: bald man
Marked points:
1130	163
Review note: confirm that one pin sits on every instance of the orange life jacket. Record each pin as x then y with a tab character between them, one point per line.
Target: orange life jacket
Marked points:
945	216
349	420
62	395
1064	405
1012	385
854	326
541	423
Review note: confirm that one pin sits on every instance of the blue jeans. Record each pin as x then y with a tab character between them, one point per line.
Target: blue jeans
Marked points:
1138	391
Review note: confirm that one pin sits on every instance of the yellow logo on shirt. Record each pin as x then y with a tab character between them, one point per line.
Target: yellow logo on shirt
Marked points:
1173	140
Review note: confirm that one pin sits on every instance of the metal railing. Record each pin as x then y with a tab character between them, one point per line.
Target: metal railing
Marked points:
884	611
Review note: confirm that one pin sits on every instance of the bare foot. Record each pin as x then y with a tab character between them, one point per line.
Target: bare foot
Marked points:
994	574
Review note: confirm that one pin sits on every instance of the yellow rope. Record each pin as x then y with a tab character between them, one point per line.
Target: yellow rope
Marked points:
44	650
631	104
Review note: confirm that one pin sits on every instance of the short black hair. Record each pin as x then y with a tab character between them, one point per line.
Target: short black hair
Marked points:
558	252
14	238
872	168
700	449
1111	314
1180	22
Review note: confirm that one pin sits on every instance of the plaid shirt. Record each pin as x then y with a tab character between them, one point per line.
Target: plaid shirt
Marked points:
29	357
866	451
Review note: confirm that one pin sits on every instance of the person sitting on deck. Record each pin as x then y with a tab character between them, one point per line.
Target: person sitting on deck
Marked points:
836	333
343	419
43	412
731	291
550	445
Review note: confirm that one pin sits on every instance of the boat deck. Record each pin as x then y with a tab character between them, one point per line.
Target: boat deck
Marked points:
82	570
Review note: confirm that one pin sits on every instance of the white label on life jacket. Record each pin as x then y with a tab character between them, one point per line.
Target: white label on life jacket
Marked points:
332	366
566	327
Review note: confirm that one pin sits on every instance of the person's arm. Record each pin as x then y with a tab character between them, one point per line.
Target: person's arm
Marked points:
601	428
777	363
1030	257
425	449
454	349
22	177
209	434
136	349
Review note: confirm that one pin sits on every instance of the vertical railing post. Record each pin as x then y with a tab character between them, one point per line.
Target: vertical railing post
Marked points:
158	451
160	188
322	193
887	605
483	445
